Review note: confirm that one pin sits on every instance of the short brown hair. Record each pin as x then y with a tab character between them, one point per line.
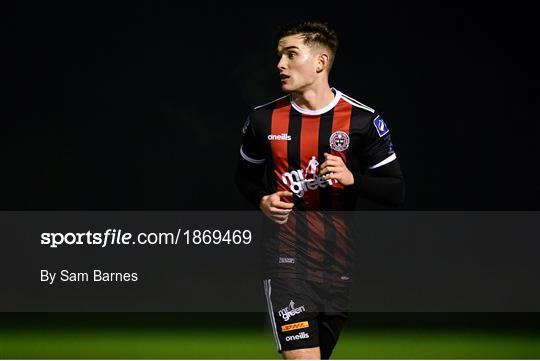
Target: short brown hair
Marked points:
313	32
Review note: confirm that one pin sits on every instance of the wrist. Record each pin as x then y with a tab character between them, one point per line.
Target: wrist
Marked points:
263	198
348	179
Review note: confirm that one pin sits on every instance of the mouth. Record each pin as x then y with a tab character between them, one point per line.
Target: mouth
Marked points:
284	77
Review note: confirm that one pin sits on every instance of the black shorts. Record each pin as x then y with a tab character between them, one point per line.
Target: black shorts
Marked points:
306	314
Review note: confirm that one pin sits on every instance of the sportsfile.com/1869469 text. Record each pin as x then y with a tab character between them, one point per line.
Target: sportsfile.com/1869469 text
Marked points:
118	237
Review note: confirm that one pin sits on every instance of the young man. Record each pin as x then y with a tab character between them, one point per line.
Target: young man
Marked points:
310	152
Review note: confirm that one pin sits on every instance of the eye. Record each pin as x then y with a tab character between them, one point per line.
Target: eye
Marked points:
292	54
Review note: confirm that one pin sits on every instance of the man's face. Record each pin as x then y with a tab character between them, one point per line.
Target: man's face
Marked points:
297	63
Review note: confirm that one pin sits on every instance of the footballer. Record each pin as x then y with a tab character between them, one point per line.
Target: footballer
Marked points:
304	157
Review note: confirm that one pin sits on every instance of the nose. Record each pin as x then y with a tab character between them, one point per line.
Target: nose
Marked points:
281	63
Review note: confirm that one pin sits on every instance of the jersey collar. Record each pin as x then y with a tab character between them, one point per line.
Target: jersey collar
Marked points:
332	104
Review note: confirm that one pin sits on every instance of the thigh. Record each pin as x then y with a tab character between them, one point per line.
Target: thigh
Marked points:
332	321
330	326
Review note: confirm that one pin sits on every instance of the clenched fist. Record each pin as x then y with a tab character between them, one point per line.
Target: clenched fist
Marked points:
276	209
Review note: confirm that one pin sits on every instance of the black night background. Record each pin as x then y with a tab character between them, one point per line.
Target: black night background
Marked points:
140	107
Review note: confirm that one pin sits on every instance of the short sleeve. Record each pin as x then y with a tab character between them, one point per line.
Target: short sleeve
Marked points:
378	149
251	149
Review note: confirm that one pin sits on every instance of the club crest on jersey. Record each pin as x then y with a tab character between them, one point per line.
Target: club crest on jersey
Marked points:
380	125
339	141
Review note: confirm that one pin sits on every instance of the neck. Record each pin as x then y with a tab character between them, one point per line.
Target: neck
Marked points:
314	98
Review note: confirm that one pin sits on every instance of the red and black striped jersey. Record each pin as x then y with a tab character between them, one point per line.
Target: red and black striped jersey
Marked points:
290	142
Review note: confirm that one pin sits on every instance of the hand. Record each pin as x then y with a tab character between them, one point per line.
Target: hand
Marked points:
334	168
276	209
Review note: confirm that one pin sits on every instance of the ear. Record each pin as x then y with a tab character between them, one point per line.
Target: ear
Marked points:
323	62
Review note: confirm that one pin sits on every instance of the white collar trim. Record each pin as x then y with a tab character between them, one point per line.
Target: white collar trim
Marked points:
332	104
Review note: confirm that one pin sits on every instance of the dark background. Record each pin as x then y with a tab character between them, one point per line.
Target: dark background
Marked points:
140	106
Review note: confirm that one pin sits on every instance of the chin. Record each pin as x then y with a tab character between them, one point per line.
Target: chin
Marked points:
287	89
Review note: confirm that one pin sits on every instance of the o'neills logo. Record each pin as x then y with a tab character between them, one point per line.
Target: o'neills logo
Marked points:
295	326
302	335
290	310
282	136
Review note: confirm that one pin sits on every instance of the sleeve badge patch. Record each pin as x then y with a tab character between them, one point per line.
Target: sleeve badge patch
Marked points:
380	125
